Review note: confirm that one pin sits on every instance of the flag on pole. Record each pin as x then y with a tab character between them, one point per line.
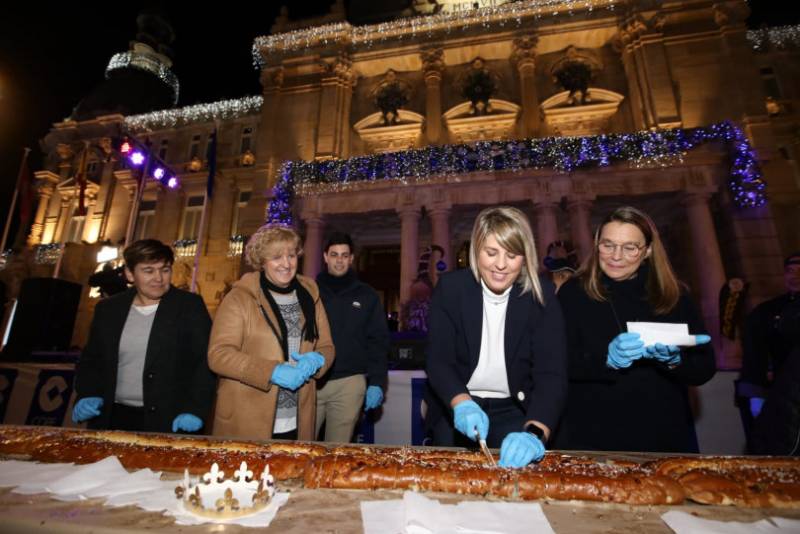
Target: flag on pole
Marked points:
26	190
211	158
80	180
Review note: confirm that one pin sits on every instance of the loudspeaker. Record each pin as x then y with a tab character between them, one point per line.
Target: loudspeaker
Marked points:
44	318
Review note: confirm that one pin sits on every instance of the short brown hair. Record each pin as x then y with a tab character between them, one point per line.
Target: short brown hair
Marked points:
255	251
663	287
147	251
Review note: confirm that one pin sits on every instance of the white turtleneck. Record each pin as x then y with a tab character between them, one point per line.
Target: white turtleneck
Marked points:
489	379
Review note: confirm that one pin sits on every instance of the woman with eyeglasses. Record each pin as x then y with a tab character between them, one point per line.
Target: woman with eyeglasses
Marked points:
623	395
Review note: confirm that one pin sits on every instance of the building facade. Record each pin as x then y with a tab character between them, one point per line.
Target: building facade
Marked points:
440	79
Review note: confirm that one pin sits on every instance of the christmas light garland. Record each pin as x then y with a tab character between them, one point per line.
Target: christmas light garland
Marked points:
147	63
410	28
778	37
661	148
170	118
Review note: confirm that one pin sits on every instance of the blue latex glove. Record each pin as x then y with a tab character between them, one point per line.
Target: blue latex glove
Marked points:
756	404
187	422
288	376
624	350
86	408
309	362
468	416
671	354
519	449
374	398
668	354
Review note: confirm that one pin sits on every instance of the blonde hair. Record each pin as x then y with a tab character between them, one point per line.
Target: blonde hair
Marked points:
663	287
513	232
255	252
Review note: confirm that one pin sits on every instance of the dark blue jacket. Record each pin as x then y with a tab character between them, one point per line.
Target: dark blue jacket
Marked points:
358	328
535	347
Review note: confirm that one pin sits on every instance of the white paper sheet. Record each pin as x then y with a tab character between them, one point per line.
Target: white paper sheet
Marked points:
683	523
416	514
664	333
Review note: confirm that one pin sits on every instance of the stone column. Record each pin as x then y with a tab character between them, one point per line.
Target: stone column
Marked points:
432	68
546	230
653	76
409	248
46	186
580	224
440	235
708	265
333	127
63	216
524	56
312	247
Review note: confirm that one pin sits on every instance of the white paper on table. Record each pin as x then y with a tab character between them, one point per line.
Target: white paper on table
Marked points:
683	523
15	472
88	477
416	514
41	476
664	333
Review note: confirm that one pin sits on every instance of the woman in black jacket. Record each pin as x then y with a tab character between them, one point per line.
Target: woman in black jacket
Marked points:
496	354
623	395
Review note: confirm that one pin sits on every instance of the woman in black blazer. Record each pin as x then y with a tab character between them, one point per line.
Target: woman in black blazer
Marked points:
496	354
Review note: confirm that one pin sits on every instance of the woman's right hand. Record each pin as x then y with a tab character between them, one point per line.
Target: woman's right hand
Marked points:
625	349
288	376
468	416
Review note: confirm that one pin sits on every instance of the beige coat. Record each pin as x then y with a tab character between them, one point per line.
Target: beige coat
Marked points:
243	351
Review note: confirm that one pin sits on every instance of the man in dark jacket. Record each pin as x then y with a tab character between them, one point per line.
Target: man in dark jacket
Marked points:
771	337
361	337
145	364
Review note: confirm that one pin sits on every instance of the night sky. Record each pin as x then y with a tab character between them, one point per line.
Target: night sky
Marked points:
53	54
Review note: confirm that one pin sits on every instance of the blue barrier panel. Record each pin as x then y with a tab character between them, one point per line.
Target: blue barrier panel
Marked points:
51	397
7	378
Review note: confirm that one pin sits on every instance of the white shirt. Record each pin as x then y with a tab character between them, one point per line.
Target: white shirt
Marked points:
489	380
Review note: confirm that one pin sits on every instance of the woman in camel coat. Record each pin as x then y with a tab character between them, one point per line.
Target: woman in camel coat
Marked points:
269	342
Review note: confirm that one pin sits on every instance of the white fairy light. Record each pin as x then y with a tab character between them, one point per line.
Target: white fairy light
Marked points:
170	118
412	27
146	63
779	37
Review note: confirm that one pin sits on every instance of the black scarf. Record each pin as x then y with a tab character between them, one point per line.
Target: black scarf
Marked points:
310	332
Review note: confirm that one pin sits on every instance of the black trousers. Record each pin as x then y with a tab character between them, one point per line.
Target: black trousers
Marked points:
127	418
505	416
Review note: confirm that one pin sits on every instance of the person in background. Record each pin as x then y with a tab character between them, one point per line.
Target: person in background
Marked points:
561	262
359	374
771	333
623	395
269	343
496	353
144	366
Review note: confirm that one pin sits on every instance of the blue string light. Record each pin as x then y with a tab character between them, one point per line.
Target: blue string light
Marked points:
661	148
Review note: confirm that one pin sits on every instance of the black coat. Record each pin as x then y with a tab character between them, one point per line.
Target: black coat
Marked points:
535	348
358	327
176	376
644	407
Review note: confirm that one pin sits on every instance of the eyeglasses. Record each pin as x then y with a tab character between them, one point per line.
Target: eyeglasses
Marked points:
630	251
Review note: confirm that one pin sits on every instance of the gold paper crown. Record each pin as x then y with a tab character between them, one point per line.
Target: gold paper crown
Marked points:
215	497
